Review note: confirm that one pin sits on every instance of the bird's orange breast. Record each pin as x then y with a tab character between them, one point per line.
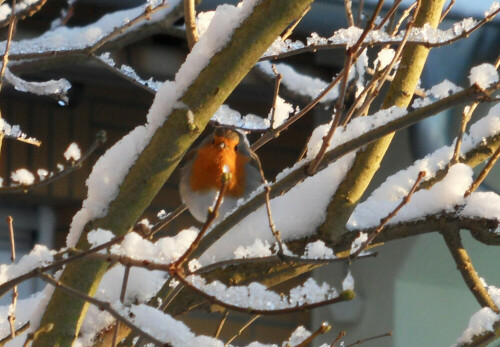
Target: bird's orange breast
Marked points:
208	167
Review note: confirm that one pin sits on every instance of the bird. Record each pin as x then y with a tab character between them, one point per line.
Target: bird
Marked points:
226	150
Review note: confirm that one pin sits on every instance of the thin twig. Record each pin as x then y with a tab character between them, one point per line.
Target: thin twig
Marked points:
466	116
323	329
170	217
148	11
292	27
102	305
243	328
405	14
18	332
99	140
464	265
348	12
277	83
220	325
391	215
389	14
190	20
12	310
360	11
484	172
28	11
10	34
448	9
122	300
339	106
6	286
211	217
369	339
337	339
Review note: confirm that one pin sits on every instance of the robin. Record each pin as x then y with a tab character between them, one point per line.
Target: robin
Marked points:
222	151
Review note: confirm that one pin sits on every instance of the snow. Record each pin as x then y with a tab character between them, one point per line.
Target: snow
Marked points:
257	296
483	75
42	173
389	194
227	116
73	38
112	167
282	112
13	131
482	321
164	251
99	236
298	335
73	152
442	197
5	9
439	91
22	177
358	242
298	83
482	205
257	249
58	88
348	282
318	250
39	256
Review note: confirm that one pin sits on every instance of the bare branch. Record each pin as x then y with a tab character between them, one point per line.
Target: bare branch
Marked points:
190	20
464	265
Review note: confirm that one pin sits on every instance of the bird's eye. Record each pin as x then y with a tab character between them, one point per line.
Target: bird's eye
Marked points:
213	142
236	147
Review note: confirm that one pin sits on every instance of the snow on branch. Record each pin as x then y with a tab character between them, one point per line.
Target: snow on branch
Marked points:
14	132
396	186
483	325
346	37
25	181
84	40
128	73
24	8
58	89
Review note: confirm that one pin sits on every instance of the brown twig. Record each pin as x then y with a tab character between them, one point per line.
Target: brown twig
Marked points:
126	273
405	15
391	215
323	329
28	11
100	139
466	116
6	286
10	34
464	265
18	332
119	30
163	223
447	10
277	83
220	325
313	166
212	214
337	339
484	172
348	12
369	339
243	328
190	20
389	14
102	305
360	10
12	312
